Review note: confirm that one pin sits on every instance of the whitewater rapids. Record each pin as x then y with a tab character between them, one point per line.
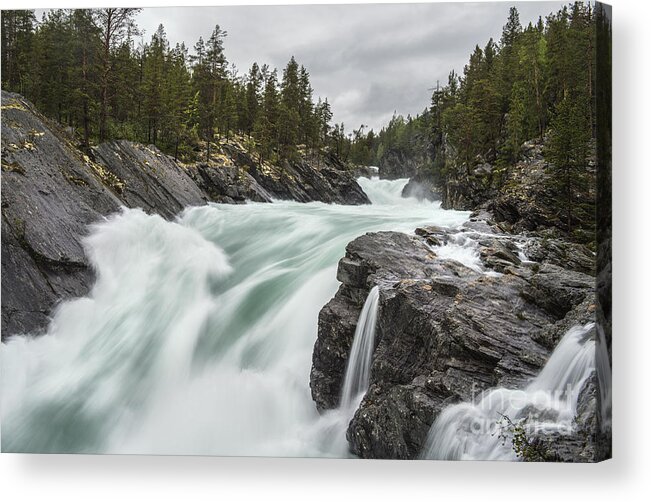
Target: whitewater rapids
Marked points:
197	335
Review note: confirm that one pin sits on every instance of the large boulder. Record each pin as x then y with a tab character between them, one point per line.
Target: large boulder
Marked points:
229	184
445	331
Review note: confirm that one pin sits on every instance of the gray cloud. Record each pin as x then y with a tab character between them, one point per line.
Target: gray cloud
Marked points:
369	60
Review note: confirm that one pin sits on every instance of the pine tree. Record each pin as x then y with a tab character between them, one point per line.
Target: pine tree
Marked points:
114	24
85	49
17	39
266	127
252	98
568	149
154	74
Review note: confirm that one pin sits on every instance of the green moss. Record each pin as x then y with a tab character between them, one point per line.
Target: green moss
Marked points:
12	167
13	104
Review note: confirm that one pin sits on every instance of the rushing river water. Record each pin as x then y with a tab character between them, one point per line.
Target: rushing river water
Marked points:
197	336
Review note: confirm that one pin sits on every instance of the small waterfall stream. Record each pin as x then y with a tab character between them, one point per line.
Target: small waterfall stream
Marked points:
470	431
358	369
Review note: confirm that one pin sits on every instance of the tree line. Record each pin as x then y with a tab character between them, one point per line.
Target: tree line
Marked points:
85	68
537	81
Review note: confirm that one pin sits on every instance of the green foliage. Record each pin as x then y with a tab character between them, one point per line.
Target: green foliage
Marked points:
526	447
536	83
83	68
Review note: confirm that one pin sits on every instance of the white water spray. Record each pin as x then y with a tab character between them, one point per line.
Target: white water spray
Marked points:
197	336
469	431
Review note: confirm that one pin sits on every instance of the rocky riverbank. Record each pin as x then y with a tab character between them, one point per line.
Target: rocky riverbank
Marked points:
51	192
447	330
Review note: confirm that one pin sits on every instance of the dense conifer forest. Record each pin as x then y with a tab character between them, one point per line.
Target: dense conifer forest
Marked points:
86	69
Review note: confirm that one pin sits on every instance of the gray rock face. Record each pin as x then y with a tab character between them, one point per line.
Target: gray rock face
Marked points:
422	188
310	178
466	191
565	254
151	180
50	193
229	184
395	164
304	182
444	332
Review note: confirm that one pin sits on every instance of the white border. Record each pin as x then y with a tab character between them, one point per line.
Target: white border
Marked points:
116	478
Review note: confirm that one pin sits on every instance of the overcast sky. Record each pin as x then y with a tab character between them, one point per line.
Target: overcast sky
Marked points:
368	60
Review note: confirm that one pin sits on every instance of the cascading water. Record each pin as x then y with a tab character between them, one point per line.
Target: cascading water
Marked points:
358	369
469	431
197	335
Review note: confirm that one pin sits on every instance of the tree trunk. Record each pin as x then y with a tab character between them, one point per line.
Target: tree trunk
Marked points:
103	110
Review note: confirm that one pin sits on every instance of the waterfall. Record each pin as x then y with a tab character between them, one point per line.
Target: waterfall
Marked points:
389	192
470	430
197	336
358	369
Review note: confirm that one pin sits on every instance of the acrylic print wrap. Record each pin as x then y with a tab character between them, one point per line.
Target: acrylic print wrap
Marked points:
350	231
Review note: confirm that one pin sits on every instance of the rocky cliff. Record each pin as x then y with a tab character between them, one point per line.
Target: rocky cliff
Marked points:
51	192
396	164
446	330
523	196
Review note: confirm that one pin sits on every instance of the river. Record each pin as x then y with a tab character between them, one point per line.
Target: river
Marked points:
197	335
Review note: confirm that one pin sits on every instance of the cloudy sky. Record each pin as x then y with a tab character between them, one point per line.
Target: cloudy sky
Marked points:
368	60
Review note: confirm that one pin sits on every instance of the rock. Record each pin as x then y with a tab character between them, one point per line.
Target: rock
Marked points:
50	193
422	188
523	197
366	171
565	254
581	314
557	290
528	201
484	169
152	180
229	184
444	332
466	192
396	164
309	178
499	254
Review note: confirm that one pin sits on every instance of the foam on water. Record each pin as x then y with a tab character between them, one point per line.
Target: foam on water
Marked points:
197	335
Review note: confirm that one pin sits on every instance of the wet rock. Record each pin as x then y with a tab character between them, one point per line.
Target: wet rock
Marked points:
557	290
422	188
444	332
499	254
568	255
50	193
